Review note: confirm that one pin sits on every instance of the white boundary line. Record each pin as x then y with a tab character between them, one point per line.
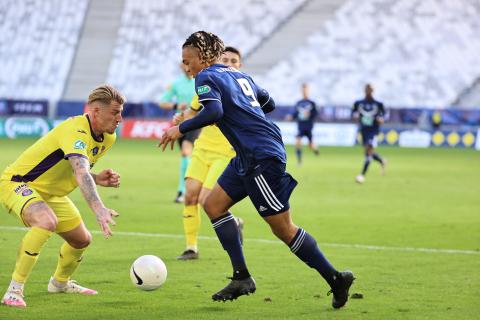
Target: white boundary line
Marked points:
334	245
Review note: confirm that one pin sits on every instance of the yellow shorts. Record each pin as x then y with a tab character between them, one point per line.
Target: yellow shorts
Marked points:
16	196
206	166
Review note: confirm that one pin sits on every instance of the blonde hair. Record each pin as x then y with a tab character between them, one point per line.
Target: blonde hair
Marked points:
105	94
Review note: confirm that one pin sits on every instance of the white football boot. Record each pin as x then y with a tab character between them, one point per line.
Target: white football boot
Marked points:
70	287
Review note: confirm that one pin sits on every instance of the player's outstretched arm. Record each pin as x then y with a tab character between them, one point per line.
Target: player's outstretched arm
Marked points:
81	169
211	112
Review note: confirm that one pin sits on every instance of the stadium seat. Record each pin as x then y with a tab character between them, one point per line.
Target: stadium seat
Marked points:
414	52
38	42
148	48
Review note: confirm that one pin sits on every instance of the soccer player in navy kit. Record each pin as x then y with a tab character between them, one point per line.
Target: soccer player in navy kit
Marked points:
305	112
369	113
232	101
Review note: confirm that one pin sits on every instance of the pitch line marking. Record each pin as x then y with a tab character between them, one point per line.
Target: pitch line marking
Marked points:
322	244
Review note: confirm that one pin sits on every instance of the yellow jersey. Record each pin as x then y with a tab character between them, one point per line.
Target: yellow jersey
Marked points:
211	138
45	166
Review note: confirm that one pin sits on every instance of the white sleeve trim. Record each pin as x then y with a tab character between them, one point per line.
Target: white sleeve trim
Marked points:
265	102
209	99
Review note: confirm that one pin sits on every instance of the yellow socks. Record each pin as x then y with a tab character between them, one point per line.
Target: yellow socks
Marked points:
32	244
68	262
191	226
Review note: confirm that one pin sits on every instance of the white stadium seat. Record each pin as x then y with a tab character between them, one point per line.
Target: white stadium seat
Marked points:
148	51
38	42
415	52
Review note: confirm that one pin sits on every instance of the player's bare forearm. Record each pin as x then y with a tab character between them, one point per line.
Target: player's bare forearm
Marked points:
188	114
86	182
182	116
166	105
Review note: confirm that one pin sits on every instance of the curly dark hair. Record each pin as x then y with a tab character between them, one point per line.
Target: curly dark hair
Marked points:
209	45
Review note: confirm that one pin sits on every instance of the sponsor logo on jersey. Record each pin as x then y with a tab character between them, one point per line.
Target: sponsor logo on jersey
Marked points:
95	151
82	131
203	89
262	208
80	145
20	188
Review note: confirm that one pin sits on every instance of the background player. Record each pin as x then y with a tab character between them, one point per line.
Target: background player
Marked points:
211	154
237	105
305	112
36	185
178	97
369	113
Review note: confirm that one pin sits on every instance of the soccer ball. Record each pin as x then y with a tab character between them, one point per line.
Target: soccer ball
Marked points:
360	179
148	272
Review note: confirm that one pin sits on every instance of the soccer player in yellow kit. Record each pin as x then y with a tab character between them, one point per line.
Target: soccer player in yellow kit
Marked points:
211	154
36	185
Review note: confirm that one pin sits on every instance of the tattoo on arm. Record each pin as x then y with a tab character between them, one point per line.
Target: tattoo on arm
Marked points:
86	182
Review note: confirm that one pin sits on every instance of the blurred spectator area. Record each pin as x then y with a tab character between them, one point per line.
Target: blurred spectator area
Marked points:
37	44
415	52
147	55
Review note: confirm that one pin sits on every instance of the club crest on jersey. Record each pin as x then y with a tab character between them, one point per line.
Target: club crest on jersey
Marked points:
203	89
80	145
27	192
95	151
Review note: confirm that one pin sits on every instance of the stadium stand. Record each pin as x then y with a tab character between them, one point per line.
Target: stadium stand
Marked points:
415	52
147	52
469	97
38	42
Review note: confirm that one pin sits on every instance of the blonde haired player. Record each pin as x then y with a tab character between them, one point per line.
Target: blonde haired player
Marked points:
211	154
36	185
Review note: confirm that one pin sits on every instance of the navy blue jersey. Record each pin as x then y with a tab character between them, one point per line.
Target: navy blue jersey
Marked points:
305	112
368	111
243	121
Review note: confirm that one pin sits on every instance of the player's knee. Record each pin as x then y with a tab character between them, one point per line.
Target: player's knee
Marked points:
191	198
49	222
284	231
83	241
210	208
207	206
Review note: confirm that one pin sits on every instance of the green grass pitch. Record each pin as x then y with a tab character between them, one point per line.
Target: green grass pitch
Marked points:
430	199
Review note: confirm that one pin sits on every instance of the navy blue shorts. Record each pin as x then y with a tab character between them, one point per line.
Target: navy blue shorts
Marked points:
305	133
369	138
269	186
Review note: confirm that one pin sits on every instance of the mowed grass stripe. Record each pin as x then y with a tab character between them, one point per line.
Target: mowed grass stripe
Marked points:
323	244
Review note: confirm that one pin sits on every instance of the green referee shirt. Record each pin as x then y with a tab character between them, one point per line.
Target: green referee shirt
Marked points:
180	91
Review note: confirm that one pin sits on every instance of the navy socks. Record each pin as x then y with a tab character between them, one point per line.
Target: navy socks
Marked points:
227	232
305	247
